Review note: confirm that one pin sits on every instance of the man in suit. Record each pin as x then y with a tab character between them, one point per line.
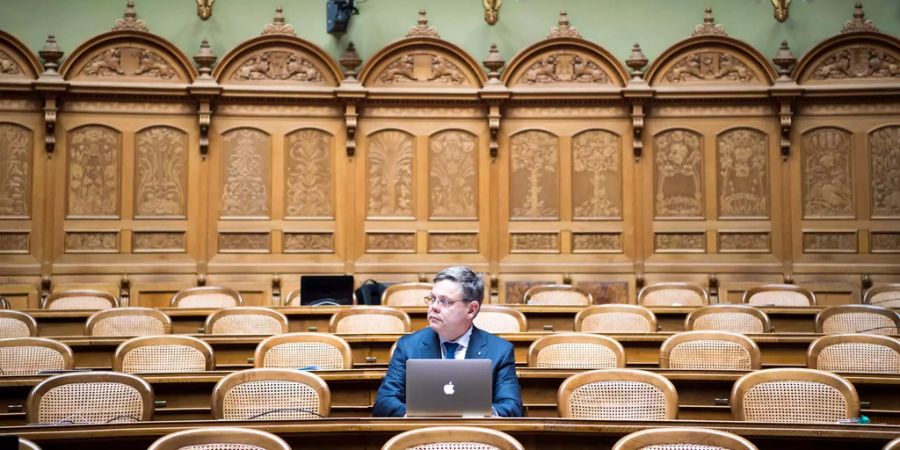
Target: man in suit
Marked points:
453	304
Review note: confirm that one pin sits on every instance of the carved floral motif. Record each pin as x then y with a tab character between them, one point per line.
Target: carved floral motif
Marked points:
308	242
563	67
680	242
677	159
829	242
597	178
884	145
391	242
245	189
92	242
453	174
158	242
827	173
15	169
390	174
160	172
14	242
857	62
533	242
278	66
710	66
93	180
534	178
453	243
308	174
244	242
8	65
743	173
744	242
596	242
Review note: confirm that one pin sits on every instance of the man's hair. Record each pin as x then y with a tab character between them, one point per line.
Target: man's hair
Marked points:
471	283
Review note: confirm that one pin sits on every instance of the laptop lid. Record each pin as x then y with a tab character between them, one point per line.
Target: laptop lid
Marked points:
448	387
326	290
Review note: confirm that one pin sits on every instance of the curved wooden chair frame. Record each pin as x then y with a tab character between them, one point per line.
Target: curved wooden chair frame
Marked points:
558	339
223	314
205	290
165	340
670	395
98	317
690	323
333	324
619	310
746	383
647	295
704	357
84	379
219	435
686	436
254	375
533	294
445	437
264	347
750	293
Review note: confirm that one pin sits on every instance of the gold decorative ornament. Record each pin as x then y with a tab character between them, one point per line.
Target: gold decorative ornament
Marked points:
491	10
782	9
204	8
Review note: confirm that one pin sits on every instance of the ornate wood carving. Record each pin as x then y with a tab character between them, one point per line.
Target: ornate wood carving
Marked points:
743	173
884	242
278	25
830	242
391	242
129	20
422	67
309	174
245	168
390	174
708	66
93	171
596	242
827	174
606	291
279	65
709	27
564	67
16	156
534	177
253	242
678	174
14	242
884	154
453	175
857	62
158	242
422	29
160	172
308	242
744	242
534	243
439	242
92	242
680	242
562	29
129	62
859	22
597	175
9	67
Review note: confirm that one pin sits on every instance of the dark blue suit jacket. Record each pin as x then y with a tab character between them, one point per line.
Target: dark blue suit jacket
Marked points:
507	401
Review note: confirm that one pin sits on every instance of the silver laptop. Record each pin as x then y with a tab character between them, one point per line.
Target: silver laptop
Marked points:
448	387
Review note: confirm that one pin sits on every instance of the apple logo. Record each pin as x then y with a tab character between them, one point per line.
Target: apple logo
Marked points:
448	388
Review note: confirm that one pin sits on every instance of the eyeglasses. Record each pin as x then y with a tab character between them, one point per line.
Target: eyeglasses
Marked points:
430	299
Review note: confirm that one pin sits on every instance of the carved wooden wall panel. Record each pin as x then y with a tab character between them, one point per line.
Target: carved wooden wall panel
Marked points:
16	160
94	162
128	62
14	242
712	65
884	148
423	68
280	64
827	174
390	175
453	175
534	176
309	174
743	174
678	175
565	67
862	61
597	175
160	173
246	157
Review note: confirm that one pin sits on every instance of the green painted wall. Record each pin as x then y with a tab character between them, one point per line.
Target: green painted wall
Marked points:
614	24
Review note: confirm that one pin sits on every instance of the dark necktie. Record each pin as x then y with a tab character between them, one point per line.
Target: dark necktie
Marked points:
450	350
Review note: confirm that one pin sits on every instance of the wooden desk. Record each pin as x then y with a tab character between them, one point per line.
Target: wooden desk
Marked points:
309	318
533	433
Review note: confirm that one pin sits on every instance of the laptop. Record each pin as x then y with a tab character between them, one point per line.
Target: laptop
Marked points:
321	290
448	387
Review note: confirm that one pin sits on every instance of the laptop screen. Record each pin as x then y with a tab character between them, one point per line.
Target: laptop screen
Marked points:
326	290
448	387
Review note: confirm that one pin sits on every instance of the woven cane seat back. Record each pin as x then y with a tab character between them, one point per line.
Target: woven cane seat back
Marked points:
223	446
682	438
615	319
576	351
406	294
167	358
682	447
247	321
462	445
90	300
793	396
500	319
710	355
28	356
209	297
16	324
857	319
618	394
779	295
220	438
732	318
886	295
271	394
557	294
370	320
91	398
295	355
855	353
128	322
453	438
673	294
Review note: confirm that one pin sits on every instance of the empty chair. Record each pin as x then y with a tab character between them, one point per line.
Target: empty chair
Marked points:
576	351
709	350
163	354
31	355
271	394
732	318
673	294
855	353
615	319
90	397
370	320
779	295
887	295
220	438
17	324
682	438
857	319
128	322
322	351
405	294
501	319
557	294
453	438
80	299
617	394
246	320
793	396
212	297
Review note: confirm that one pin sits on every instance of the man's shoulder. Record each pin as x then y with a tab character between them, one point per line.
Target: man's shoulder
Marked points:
493	340
416	336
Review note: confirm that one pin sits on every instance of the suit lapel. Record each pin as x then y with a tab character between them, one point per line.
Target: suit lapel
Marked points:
431	345
477	345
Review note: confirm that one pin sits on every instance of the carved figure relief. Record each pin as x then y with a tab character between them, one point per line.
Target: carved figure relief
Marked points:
108	63
153	65
680	242
884	242
93	179
597	175
596	242
452	243
743	173
453	174
390	174
308	243
14	242
160	177
15	170
158	242
278	66
8	65
400	70
534	242
244	242
129	62
819	242
92	242
534	182
743	242
308	177
827	173
422	67
710	66
245	180
857	62
564	67
444	71
391	242
677	159
884	147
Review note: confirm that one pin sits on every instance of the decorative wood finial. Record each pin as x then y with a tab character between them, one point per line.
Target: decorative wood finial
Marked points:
205	58
422	29
859	22
562	29
493	62
785	60
636	61
278	25
350	60
130	21
709	27
51	54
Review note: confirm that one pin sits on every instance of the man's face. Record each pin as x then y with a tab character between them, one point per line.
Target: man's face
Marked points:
450	321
